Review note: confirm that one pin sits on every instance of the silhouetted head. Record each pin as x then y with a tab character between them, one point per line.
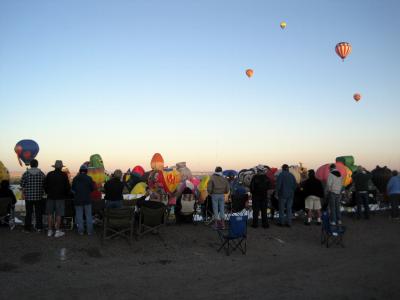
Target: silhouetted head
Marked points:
285	167
5	184
311	173
332	166
395	173
218	169
34	163
83	169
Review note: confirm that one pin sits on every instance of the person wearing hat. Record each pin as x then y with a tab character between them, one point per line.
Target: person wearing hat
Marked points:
113	190
334	188
217	187
58	189
82	186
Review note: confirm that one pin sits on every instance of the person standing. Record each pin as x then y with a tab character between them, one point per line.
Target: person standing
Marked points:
32	184
313	192
393	190
361	180
113	189
334	188
259	187
58	189
7	193
217	186
285	187
82	186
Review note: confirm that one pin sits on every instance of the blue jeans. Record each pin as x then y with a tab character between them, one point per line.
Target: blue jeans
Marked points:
218	204
334	207
285	202
79	218
114	204
362	198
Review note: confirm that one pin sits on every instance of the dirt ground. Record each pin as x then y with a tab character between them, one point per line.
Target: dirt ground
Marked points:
182	263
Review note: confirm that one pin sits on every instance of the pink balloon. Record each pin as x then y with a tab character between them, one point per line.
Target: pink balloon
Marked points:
324	170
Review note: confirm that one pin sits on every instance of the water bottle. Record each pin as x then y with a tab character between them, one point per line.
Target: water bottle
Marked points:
63	254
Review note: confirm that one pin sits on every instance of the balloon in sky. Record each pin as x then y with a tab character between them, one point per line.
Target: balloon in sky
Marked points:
283	25
357	97
26	151
343	49
249	73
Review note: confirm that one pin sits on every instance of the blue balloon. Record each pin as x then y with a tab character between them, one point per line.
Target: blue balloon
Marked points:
229	173
26	150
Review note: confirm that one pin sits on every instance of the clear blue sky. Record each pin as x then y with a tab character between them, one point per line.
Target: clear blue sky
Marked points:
126	79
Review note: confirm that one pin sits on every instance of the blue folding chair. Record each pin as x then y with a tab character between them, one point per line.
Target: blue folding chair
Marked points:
331	234
235	237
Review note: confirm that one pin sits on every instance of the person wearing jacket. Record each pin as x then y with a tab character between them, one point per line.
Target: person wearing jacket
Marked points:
334	188
32	184
285	187
393	190
259	187
313	192
6	192
58	189
361	180
113	189
82	186
217	186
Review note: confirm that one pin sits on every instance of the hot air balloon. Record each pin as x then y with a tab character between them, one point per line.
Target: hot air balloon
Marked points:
283	25
157	162
343	49
26	151
249	72
357	97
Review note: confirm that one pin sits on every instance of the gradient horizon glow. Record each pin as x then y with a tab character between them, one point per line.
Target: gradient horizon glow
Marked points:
126	79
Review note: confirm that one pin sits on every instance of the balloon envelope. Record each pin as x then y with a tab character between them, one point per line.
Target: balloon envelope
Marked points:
283	25
229	173
249	72
357	97
26	151
343	49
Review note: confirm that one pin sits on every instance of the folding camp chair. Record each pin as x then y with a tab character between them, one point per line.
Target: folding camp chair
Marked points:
151	219
7	212
69	214
119	222
235	237
331	234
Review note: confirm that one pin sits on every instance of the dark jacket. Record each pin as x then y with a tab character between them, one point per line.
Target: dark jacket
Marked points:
113	189
313	187
6	192
285	184
82	186
259	186
57	185
361	181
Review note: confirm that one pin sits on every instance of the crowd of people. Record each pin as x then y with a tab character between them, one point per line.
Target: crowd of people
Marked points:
318	196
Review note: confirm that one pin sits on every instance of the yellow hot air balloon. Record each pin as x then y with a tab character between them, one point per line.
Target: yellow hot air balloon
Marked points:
283	25
249	72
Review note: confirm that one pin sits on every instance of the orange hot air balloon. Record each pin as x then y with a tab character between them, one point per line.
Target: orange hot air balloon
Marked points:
357	97
157	162
343	49
249	72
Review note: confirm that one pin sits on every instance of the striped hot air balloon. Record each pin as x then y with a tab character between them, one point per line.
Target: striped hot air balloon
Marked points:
343	49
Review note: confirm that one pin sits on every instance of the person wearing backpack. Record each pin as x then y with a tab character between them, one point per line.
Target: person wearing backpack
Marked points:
259	187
